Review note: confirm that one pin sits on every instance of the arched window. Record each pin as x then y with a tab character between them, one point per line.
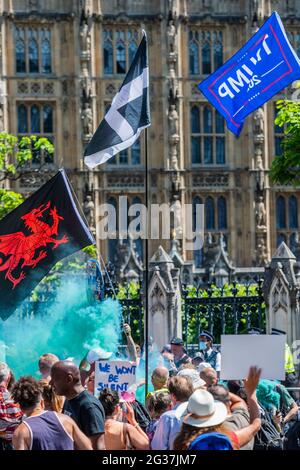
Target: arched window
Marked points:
293	212
208	141
113	202
293	242
222	213
198	254
195	119
218	49
108	53
280	212
206	53
46	56
33	52
207	136
278	135
207	120
196	201
209	213
195	138
20	56
35	119
132	48
121	52
48	119
22	119
193	57
136	153
281	238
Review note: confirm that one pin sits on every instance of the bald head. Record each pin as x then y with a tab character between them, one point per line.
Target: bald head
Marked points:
160	377
65	378
210	376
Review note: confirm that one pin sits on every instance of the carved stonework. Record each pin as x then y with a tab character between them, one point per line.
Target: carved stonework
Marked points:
35	88
208	181
87	121
89	212
87	117
261	251
121	181
177	212
30	182
110	90
258	119
260	214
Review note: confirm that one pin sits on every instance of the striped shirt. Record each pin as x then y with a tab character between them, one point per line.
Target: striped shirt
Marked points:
10	415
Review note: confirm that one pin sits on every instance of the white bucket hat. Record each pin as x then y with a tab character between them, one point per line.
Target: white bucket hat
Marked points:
203	411
202	366
194	376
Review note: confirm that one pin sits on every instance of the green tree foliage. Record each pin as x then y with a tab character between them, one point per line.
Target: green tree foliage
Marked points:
15	153
285	169
9	200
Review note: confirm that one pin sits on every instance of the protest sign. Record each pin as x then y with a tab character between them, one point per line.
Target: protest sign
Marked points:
240	352
118	376
265	65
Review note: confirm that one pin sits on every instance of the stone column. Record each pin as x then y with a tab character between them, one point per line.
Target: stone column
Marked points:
164	299
281	291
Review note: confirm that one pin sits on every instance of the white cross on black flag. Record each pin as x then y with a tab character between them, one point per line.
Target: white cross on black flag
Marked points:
128	115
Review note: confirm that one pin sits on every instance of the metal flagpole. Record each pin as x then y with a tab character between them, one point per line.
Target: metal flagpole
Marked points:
146	319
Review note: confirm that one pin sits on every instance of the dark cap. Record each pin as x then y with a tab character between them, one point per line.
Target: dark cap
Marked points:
208	335
166	348
277	332
198	356
177	341
254	331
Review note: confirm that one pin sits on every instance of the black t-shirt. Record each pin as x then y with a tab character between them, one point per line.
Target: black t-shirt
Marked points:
87	412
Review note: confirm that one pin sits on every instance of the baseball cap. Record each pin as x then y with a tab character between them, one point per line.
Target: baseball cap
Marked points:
207	334
98	354
177	341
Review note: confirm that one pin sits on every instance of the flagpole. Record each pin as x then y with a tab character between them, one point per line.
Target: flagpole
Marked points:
146	318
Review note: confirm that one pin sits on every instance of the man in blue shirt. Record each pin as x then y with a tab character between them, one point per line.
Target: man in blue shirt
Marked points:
169	423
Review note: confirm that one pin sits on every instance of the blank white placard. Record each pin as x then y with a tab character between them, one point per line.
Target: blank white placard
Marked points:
240	352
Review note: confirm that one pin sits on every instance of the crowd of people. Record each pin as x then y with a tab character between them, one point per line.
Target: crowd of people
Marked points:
188	407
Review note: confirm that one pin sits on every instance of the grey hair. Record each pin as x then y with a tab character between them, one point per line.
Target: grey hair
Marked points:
4	372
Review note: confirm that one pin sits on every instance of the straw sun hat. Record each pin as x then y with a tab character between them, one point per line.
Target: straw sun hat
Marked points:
203	411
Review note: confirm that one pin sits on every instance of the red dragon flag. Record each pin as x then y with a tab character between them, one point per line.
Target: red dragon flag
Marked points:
46	228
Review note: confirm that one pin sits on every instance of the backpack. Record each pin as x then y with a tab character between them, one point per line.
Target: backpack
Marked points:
292	437
268	437
141	414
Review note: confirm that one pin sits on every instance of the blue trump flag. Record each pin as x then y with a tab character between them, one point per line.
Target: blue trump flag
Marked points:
264	66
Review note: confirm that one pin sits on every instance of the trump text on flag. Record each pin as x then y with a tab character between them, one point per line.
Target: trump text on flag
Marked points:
264	66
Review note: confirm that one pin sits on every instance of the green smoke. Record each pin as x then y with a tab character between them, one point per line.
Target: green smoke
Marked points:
68	328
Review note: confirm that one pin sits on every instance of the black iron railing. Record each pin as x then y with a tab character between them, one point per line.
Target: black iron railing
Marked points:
226	310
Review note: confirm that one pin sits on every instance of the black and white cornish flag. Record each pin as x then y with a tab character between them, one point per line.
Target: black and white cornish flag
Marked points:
128	115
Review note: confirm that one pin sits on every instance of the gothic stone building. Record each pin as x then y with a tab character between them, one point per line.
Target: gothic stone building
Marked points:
63	61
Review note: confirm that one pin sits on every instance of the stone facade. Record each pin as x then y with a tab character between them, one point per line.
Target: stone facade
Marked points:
79	89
